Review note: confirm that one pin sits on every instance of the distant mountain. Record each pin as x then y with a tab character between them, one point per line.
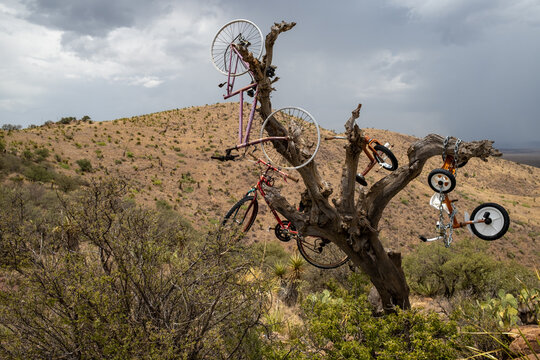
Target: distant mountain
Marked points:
166	158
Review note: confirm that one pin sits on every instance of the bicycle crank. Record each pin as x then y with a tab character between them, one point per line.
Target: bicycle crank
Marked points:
283	232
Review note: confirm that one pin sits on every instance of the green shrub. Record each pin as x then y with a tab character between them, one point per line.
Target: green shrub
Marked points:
67	120
38	173
10	163
66	183
28	154
341	326
163	205
85	165
41	154
11	127
465	266
144	285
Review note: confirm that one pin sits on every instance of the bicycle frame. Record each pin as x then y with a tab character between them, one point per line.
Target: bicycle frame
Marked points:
368	148
456	224
369	144
243	139
449	165
265	179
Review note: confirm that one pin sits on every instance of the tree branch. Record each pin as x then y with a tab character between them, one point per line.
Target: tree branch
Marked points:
432	145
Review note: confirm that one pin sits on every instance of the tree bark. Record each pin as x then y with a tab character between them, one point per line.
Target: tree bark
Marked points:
352	220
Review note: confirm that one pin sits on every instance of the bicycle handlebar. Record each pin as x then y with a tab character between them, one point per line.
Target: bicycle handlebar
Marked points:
226	157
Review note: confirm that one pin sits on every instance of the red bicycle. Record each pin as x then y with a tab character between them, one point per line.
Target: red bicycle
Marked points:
317	251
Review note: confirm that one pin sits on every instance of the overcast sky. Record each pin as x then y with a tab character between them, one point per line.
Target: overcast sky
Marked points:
467	68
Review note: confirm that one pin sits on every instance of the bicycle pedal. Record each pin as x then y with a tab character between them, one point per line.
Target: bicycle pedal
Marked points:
361	180
222	84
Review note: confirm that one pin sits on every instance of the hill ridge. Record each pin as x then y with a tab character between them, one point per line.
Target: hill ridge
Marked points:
166	157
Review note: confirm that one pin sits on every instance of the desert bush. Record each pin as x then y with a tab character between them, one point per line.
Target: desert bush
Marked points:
464	267
11	127
10	163
67	183
67	120
85	165
35	172
41	154
143	285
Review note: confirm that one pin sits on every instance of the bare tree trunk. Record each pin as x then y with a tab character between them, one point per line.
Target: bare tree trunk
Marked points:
352	221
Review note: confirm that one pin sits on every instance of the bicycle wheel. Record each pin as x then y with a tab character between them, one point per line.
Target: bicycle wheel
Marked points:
441	180
496	222
304	138
240	217
385	158
320	252
238	31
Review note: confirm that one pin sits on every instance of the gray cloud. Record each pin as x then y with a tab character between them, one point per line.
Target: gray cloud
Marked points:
95	18
462	68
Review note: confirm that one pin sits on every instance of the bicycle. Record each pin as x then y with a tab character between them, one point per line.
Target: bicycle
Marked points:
317	251
296	127
488	221
376	153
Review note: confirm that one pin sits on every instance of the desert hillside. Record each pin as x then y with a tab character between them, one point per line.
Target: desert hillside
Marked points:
166	158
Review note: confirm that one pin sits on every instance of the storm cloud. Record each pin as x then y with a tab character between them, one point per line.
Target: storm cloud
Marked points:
464	68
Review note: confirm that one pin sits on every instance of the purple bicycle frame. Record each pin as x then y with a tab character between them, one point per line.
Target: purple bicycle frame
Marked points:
243	140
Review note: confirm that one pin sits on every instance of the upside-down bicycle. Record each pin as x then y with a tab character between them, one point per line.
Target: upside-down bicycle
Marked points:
296	127
317	251
488	221
376	152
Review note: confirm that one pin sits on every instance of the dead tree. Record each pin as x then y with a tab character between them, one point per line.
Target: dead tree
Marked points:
351	221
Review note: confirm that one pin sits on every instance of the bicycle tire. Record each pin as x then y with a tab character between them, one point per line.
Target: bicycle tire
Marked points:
389	156
441	180
304	131
219	51
496	228
321	253
237	221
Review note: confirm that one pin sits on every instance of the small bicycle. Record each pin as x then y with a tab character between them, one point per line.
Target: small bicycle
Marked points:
317	251
297	127
376	153
488	221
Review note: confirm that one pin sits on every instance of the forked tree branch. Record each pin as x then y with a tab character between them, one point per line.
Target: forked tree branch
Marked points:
380	194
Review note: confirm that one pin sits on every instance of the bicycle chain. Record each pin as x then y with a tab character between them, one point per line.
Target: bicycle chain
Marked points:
445	145
456	155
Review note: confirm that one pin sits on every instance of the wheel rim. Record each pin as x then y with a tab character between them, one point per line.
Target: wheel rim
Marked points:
321	253
441	182
497	221
240	221
233	32
381	159
303	130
